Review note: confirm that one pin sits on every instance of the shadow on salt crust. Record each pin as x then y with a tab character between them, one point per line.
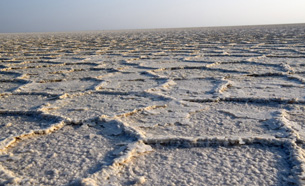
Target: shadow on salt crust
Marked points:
244	165
10	86
9	75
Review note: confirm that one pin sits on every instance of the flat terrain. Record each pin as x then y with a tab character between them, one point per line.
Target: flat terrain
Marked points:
197	106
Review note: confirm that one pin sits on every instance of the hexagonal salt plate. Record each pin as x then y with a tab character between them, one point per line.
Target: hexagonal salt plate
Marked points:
198	88
191	73
207	119
61	157
248	67
14	125
25	101
130	82
169	63
79	108
287	64
64	72
239	165
296	119
10	85
6	75
266	87
60	87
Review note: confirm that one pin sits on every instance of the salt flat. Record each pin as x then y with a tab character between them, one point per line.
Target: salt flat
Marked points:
193	106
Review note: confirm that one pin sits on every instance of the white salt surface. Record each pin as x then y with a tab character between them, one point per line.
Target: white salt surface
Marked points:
211	166
201	106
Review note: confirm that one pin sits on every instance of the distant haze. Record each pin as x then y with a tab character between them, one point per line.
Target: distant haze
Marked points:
80	15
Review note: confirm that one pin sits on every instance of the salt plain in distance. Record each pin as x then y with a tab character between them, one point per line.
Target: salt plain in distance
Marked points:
197	106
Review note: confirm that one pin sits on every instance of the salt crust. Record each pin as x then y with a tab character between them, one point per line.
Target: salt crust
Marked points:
201	106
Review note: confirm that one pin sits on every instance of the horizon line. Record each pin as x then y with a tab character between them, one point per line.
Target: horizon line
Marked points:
157	28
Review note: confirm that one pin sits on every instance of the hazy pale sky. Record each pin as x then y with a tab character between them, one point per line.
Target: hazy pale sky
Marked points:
78	15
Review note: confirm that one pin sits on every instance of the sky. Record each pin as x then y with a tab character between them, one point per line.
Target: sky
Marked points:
85	15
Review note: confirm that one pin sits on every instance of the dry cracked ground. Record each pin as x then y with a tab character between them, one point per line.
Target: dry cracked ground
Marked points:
200	106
